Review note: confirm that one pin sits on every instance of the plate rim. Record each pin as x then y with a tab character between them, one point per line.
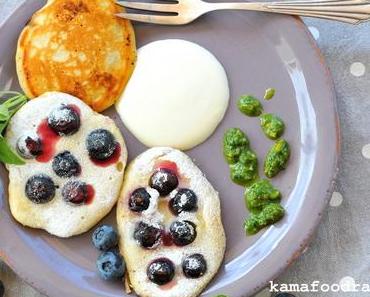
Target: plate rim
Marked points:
299	246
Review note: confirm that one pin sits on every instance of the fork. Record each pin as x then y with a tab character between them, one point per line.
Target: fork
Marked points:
182	12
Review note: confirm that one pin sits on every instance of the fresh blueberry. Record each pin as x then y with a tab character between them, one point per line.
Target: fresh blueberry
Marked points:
184	200
161	271
147	235
139	200
66	165
194	266
164	181
40	189
111	266
105	238
183	232
75	192
29	146
101	144
64	120
2	289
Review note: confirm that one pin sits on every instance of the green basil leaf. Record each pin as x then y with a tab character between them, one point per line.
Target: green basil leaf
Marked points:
7	155
15	103
4	113
12	104
3	125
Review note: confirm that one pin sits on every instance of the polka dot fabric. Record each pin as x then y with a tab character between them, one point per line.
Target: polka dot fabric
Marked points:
338	253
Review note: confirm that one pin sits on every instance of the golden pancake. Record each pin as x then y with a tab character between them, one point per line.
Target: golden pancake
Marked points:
78	47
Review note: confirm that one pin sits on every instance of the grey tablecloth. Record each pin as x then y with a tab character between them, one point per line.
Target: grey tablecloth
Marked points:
340	253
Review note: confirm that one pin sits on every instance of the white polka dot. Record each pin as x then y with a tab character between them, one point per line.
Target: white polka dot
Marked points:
264	293
336	199
315	33
347	284
366	151
358	69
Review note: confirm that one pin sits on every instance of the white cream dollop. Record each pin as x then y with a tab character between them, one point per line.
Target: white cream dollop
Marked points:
177	95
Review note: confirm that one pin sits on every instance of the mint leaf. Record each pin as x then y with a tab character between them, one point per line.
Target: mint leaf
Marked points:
7	155
12	105
13	102
4	113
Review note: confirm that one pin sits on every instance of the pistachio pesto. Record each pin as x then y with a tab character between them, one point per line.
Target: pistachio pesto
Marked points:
234	143
261	198
277	158
269	94
242	160
260	194
250	106
269	215
245	171
272	126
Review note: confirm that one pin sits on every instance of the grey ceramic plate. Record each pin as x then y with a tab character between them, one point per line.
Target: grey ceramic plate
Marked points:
258	51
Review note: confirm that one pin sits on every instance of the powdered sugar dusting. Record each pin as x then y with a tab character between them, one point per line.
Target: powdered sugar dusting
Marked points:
61	114
209	242
57	216
193	264
153	205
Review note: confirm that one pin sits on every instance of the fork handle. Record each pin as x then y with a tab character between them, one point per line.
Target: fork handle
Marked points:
348	11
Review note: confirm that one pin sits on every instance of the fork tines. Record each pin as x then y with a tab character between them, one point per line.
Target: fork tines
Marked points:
150	6
146	10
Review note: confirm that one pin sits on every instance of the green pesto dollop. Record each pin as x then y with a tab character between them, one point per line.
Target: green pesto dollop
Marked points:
250	106
234	143
260	194
269	94
277	158
245	171
269	215
272	126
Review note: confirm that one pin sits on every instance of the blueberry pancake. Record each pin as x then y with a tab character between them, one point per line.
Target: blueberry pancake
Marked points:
169	220
75	161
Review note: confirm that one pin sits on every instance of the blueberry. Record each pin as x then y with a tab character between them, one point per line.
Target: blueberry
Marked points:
66	165
161	271
101	144
184	200
139	200
40	189
64	120
2	289
164	181
29	146
105	238
194	266
111	266
75	192
183	232
147	235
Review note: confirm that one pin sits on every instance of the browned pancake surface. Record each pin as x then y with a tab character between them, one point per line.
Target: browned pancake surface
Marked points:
77	47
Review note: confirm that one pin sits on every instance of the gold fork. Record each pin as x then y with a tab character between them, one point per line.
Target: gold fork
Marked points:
185	11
